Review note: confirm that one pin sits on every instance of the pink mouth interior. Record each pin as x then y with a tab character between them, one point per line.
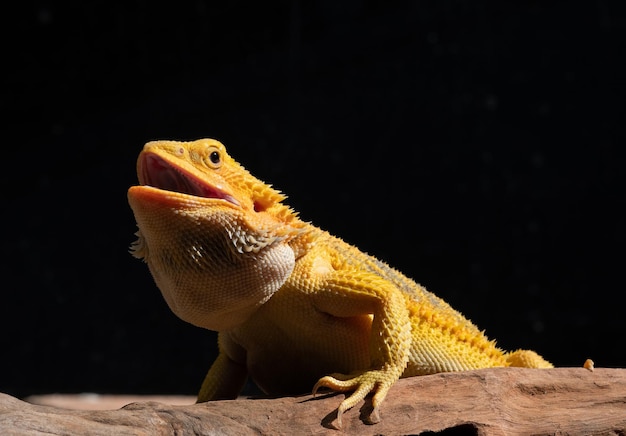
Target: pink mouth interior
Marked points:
159	173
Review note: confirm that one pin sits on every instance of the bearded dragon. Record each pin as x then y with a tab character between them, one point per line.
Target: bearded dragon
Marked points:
294	306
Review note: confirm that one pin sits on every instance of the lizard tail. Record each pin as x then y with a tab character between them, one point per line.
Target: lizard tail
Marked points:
526	359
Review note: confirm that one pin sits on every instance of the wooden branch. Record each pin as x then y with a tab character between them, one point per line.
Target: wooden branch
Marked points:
498	401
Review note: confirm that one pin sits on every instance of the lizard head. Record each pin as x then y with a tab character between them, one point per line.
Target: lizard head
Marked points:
203	170
214	237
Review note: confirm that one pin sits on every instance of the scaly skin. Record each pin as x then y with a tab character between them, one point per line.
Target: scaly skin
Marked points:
294	306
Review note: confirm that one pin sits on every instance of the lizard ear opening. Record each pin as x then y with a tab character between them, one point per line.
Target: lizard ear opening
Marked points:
259	207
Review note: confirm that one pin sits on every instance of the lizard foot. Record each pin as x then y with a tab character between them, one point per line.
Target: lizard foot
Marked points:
362	383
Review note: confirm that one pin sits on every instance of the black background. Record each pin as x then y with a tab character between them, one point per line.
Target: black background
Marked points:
476	146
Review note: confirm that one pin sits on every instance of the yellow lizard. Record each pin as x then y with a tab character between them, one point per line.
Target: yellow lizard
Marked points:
294	306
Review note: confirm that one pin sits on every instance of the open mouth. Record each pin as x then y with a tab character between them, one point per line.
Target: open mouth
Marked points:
159	173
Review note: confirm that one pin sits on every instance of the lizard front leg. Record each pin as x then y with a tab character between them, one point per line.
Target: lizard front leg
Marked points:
354	293
225	378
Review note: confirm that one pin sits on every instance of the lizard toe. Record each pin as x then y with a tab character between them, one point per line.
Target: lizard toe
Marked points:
338	382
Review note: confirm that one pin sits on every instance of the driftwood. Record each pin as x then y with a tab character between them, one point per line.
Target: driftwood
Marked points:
499	401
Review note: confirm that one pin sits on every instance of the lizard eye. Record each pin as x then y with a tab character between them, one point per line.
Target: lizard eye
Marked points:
214	159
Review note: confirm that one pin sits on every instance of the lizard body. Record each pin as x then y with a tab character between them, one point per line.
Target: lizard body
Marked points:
294	306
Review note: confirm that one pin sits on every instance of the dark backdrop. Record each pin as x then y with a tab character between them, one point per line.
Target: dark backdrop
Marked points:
476	146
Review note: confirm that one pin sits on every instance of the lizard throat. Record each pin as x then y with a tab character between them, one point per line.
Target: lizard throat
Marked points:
159	173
